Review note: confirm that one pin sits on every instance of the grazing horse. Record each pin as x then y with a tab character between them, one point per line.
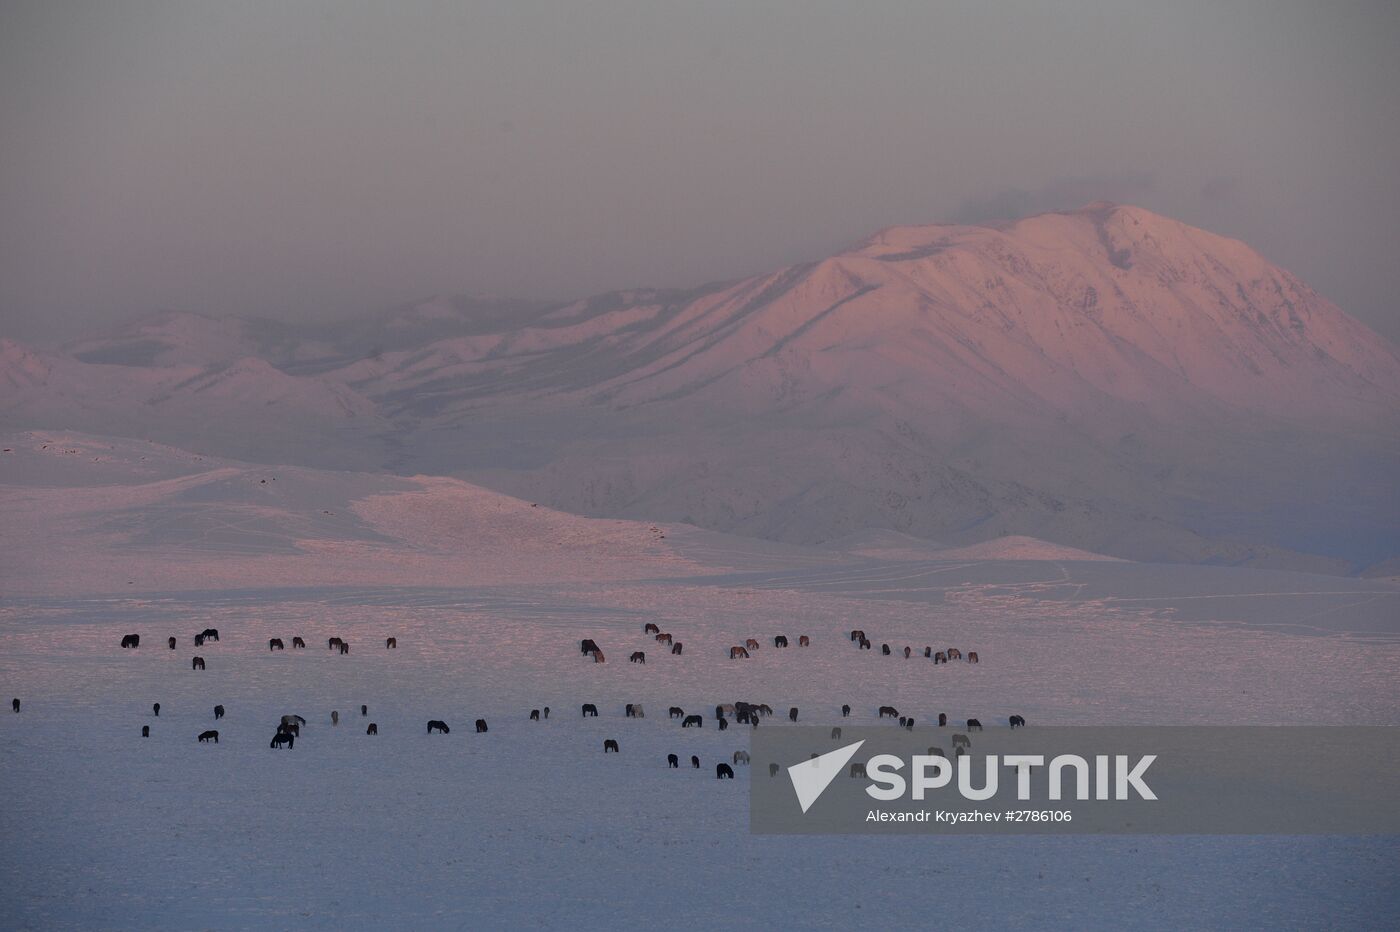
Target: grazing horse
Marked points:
772	770
631	710
736	653
197	663
724	772
741	757
940	657
751	643
1016	721
864	644
695	762
836	734
590	709
723	723
481	726
695	720
673	762
792	714
218	712
676	647
928	652
335	717
199	640
663	638
274	644
145	731
589	646
440	726
391	643
210	634
857	635
638	656
344	647
298	644
954	654
780	641
333	643
888	711
155	708
857	770
676	712
534	715
903	721
610	744
14	705
909	723
373	729
972	657
170	642
765	708
961	741
804	641
282	739
942	719
210	735
845	711
651	628
546	713
131	640
885	649
974	725
907	651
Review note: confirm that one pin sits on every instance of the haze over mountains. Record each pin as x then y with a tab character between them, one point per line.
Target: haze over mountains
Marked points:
1106	379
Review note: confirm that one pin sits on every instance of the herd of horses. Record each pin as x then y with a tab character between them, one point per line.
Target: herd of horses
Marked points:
589	647
740	712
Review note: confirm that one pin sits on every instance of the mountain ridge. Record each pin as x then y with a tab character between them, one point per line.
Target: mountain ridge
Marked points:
1101	378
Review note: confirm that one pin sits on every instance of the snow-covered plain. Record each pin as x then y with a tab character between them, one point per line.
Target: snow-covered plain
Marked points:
530	825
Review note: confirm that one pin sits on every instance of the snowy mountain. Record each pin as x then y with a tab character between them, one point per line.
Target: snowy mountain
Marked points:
1106	379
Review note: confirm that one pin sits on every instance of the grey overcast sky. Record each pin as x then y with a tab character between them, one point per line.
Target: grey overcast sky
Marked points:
307	159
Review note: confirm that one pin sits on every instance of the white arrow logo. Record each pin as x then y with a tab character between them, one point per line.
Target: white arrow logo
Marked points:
811	777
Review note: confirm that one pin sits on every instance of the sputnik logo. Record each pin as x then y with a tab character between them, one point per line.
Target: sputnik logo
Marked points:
811	777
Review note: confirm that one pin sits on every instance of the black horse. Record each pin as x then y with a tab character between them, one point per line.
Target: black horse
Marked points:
210	735
283	739
440	726
724	772
610	744
589	709
131	640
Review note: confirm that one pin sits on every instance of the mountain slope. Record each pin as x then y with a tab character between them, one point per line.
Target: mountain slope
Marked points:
1105	379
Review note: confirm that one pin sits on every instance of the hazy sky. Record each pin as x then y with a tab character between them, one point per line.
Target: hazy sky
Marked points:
315	158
